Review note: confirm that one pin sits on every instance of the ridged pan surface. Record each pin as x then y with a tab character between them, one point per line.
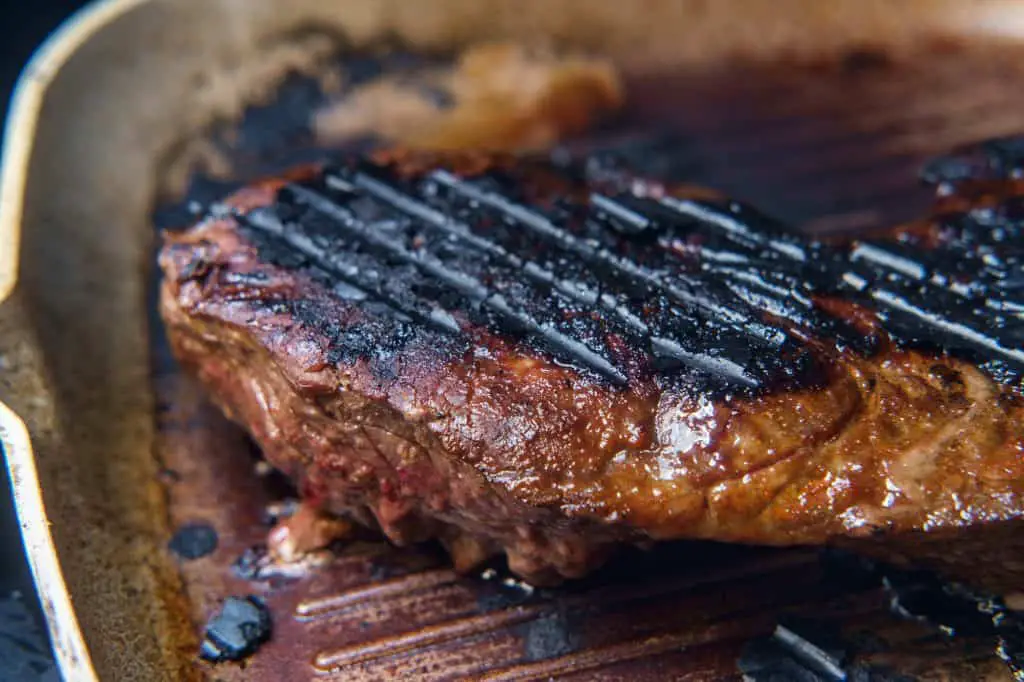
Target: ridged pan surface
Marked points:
828	147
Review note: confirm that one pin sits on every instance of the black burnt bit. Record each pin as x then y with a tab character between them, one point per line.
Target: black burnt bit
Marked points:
550	636
765	660
236	631
809	650
614	280
803	649
193	541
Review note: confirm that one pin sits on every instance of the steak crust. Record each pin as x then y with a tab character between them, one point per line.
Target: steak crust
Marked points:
549	430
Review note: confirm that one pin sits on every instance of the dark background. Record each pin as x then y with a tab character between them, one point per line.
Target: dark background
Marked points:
24	648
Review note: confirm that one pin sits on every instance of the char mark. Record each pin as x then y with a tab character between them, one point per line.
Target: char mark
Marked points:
616	279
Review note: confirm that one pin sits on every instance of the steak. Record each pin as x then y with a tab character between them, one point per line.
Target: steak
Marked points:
548	360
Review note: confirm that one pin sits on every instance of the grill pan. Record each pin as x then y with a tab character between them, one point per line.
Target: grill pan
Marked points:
819	114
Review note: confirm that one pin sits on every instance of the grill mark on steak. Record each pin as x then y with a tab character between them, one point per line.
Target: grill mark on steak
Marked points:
727	293
901	281
354	274
509	314
730	328
347	318
548	272
537	270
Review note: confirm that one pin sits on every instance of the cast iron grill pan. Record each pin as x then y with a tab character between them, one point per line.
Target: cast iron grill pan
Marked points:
828	147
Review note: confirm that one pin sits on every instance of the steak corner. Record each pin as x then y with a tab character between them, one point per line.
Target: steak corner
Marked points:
547	361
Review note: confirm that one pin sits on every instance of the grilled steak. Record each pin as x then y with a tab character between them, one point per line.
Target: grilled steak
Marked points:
547	361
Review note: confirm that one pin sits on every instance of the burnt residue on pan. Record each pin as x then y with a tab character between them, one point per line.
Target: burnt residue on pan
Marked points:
832	146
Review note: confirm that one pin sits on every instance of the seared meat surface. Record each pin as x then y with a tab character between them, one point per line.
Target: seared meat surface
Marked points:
548	361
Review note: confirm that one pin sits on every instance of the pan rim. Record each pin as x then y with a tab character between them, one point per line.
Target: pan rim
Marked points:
70	650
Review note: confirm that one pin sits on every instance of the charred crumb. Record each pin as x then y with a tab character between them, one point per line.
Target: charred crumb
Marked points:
767	660
193	541
808	651
552	635
235	632
815	645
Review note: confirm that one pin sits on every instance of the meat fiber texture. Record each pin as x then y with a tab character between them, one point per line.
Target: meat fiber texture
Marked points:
384	332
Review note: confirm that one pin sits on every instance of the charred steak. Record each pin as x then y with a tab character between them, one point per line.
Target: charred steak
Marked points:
546	361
